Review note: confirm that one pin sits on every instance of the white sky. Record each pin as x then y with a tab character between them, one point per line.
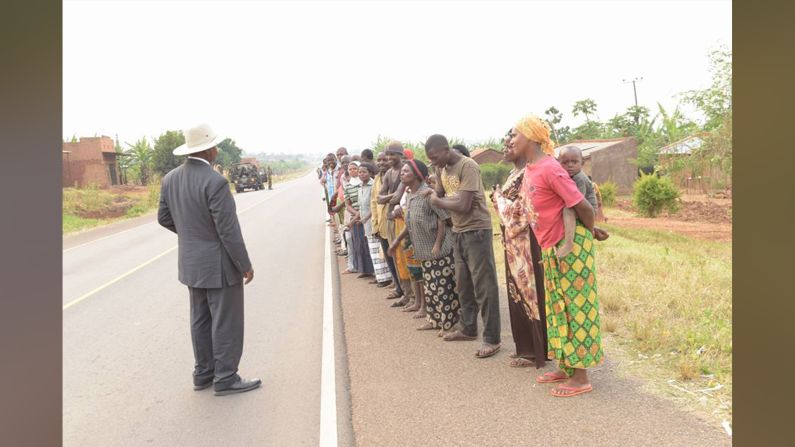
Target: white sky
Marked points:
311	76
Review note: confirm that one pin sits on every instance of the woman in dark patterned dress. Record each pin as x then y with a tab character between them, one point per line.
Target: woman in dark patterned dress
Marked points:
524	274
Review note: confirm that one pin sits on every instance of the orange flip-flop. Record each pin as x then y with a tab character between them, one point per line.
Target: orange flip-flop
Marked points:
547	377
572	391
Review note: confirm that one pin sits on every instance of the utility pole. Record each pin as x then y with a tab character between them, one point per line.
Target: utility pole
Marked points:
635	90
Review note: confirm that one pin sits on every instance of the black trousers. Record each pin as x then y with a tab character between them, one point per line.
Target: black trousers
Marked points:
216	328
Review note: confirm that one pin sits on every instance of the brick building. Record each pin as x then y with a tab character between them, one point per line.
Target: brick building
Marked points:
91	160
612	159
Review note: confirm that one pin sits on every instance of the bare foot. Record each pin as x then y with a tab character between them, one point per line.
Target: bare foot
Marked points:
412	307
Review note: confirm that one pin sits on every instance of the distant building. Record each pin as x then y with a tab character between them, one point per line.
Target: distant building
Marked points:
91	160
612	159
486	155
697	176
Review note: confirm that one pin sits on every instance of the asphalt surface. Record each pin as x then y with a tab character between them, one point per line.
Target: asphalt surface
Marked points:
409	387
127	356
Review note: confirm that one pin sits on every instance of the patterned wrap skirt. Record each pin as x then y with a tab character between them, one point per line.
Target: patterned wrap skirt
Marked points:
441	299
572	306
380	266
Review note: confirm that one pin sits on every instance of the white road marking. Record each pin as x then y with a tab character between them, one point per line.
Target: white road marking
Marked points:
139	267
328	382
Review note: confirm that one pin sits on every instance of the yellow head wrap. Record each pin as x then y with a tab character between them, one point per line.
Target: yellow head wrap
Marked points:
536	129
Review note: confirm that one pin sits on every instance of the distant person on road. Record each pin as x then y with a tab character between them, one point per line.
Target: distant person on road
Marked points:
461	193
572	305
197	205
270	177
524	275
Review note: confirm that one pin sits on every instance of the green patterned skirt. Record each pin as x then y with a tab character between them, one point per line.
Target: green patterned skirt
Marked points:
572	306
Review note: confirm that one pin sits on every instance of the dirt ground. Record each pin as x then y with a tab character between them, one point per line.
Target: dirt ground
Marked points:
699	216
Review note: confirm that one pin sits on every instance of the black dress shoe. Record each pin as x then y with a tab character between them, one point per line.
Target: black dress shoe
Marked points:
202	385
241	386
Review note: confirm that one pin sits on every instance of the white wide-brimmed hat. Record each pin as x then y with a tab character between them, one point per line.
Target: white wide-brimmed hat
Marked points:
197	139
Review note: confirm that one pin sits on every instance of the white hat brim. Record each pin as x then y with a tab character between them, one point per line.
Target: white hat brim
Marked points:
186	150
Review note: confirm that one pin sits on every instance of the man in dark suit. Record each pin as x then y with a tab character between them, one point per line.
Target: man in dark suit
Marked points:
196	203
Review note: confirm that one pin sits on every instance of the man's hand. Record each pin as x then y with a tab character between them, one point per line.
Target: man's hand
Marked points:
248	276
397	213
392	249
426	192
436	250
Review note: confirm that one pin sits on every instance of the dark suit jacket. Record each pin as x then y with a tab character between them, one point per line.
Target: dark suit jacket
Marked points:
195	203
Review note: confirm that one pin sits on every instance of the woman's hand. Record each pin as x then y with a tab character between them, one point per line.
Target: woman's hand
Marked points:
436	251
397	213
392	250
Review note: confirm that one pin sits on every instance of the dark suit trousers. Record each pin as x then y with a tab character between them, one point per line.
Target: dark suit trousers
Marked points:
216	327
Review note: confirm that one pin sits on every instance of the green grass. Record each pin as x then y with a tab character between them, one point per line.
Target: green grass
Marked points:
666	304
84	208
72	223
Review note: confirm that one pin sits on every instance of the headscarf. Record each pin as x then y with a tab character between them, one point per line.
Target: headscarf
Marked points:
419	168
536	129
408	153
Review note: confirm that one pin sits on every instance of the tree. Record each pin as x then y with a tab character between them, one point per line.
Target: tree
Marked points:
163	158
140	155
228	153
715	102
554	117
585	107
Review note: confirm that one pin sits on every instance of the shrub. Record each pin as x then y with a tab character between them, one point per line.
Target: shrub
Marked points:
494	173
608	190
652	194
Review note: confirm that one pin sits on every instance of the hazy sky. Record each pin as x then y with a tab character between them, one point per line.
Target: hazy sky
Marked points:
312	76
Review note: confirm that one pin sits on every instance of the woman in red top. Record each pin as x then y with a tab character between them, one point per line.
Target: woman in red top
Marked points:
572	307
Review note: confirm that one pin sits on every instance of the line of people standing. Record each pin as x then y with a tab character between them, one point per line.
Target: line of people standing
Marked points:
428	236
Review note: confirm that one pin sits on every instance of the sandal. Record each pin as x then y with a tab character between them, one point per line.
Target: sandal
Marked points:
385	284
521	362
459	336
427	327
568	391
419	315
394	294
487	350
550	377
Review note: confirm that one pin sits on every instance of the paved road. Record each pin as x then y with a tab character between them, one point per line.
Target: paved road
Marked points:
127	356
